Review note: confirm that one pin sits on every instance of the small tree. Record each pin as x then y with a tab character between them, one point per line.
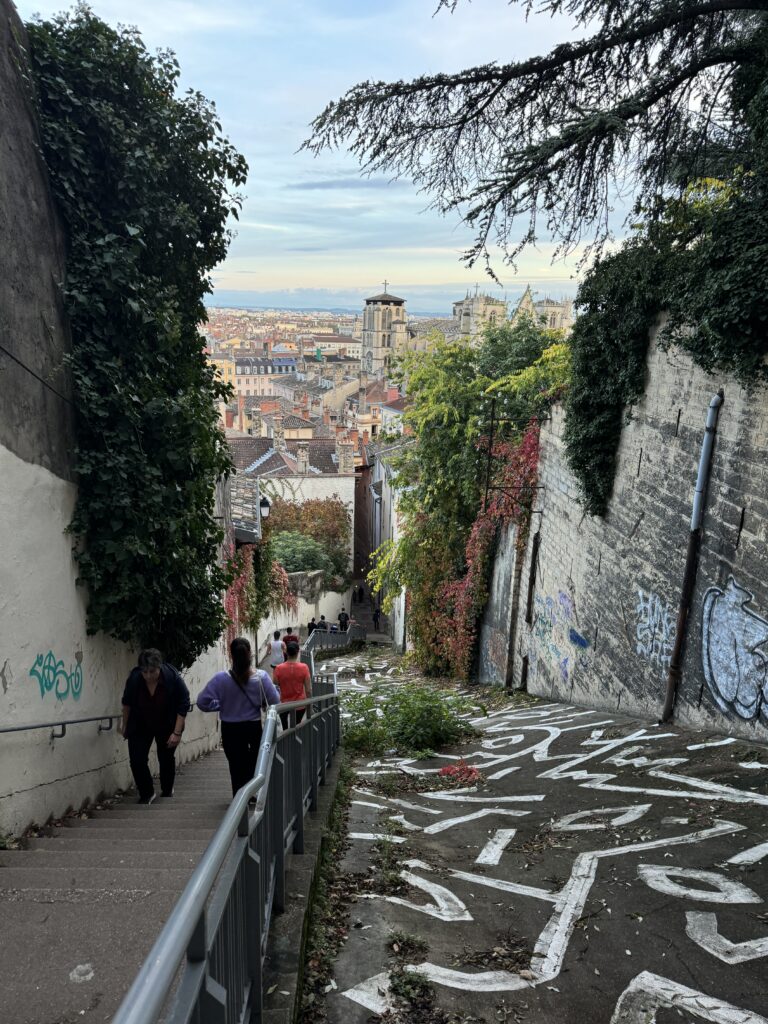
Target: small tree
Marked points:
299	553
326	520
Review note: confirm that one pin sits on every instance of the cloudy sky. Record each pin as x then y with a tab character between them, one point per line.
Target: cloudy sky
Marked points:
313	233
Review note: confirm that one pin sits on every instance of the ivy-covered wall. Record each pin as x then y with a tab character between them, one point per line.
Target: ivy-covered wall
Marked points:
50	669
604	602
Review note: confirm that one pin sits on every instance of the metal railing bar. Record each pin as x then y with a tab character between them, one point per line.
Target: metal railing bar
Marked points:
148	994
110	718
57	725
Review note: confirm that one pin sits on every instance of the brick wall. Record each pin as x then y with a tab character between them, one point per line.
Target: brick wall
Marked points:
602	618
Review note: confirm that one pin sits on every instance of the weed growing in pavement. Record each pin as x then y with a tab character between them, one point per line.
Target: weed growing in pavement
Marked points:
386	861
406	718
461	774
511	953
411	988
397	782
406	946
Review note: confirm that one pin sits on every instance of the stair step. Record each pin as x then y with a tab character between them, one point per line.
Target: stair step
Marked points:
115	834
214	810
111	932
150	824
95	842
64	860
111	879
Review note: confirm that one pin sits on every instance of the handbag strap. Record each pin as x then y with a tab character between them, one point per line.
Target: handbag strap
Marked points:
258	708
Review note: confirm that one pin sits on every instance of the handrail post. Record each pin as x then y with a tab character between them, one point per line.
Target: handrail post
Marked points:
313	755
277	784
298	795
254	914
197	945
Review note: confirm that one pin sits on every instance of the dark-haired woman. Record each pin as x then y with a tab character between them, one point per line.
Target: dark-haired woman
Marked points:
238	696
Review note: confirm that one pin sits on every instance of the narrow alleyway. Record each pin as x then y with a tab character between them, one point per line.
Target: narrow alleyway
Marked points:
601	869
81	905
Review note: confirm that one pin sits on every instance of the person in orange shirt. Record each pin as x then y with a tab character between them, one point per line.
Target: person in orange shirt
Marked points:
293	680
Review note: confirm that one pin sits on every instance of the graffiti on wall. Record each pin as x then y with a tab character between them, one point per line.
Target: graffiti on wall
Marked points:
655	630
52	676
559	642
734	650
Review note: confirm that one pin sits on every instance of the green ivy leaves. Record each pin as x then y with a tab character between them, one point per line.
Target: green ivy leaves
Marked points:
142	179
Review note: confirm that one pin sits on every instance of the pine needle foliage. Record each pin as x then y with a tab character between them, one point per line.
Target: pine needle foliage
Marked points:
643	99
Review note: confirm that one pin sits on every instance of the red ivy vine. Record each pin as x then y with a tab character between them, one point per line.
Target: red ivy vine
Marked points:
248	598
463	600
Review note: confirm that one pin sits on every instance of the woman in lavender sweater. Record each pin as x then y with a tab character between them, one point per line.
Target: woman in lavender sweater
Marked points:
238	696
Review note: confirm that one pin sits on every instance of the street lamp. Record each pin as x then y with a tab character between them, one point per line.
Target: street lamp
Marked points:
264	507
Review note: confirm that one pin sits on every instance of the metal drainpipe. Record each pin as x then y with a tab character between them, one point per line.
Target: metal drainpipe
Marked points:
692	555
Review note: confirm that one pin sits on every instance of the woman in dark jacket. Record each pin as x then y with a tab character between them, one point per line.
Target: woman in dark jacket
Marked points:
155	706
239	696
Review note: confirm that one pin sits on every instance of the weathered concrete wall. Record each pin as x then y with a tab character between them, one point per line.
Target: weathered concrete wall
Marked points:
36	414
50	670
313	600
497	630
604	605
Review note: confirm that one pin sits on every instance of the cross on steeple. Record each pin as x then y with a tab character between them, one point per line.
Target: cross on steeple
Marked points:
385	286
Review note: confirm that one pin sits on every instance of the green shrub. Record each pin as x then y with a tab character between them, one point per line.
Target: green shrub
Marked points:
364	730
298	553
409	718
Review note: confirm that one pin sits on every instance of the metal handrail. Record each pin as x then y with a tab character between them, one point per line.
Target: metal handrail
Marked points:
185	931
356	632
72	721
56	725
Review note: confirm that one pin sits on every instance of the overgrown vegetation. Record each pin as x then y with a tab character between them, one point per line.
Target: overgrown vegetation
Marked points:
697	269
260	588
448	524
143	182
411	717
326	521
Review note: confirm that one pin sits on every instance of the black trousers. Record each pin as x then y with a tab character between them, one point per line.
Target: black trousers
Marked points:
139	746
241	745
299	715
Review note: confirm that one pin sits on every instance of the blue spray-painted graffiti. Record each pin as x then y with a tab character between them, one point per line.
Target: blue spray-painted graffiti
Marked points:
578	639
51	675
558	642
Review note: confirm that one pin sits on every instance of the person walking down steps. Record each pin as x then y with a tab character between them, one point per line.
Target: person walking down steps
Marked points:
240	695
155	706
275	651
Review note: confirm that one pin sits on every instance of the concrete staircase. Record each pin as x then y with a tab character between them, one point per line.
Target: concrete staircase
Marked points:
363	614
80	907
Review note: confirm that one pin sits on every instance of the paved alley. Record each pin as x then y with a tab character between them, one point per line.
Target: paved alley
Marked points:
601	869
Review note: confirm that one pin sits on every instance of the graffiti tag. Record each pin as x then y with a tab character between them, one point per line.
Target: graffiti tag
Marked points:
656	629
734	650
52	675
